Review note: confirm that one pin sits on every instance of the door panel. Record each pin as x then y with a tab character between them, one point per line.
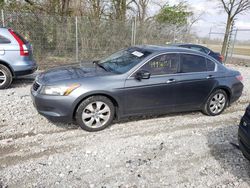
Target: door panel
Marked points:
192	90
157	92
195	83
150	95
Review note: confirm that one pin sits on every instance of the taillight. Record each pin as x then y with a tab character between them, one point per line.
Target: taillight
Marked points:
221	58
23	48
240	78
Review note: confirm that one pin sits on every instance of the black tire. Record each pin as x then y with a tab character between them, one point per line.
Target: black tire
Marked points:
207	109
4	71
84	107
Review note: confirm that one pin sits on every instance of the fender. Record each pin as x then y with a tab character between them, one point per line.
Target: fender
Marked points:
8	66
116	101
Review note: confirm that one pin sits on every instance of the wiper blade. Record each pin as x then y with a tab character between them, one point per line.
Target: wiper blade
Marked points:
99	65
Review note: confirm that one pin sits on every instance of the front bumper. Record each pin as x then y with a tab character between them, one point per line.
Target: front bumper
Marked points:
55	108
244	137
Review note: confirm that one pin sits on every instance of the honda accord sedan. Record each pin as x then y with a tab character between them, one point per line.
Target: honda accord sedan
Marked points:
244	134
138	80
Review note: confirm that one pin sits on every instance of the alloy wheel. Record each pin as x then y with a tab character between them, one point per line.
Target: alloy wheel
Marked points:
2	78
217	103
96	114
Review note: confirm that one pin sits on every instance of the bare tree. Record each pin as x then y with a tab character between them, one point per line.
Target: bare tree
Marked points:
97	8
141	9
119	9
232	8
65	7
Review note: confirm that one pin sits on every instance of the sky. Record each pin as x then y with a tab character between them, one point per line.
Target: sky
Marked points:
213	17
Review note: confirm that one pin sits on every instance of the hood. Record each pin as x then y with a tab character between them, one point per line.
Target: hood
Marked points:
62	74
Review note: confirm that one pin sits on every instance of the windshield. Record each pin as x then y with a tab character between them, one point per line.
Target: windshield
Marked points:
122	61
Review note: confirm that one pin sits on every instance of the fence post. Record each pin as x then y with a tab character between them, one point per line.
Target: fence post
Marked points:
133	33
2	15
209	38
77	47
235	37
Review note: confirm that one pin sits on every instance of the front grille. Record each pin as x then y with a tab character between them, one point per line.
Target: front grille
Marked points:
36	86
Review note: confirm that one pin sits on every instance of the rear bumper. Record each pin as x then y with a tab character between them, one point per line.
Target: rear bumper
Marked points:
244	138
24	67
236	92
30	70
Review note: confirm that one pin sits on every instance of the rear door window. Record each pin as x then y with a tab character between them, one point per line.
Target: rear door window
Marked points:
192	63
4	40
210	65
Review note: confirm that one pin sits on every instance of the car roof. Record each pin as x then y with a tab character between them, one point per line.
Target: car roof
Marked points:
160	49
190	44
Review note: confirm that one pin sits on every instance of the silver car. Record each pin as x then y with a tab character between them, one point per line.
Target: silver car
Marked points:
16	57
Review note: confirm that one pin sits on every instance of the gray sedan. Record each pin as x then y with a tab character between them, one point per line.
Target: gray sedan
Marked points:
136	81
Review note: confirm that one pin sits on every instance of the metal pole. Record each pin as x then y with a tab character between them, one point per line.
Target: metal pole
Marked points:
3	22
132	33
135	31
235	36
77	47
209	38
174	34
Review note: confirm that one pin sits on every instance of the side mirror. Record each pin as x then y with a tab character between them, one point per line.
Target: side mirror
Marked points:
95	61
142	74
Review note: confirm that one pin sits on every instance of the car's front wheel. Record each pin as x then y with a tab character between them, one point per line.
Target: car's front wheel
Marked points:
5	77
95	113
216	103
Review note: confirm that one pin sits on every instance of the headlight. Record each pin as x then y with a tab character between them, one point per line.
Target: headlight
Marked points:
62	90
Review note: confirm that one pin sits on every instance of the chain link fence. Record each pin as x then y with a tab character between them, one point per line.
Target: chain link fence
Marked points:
61	40
238	48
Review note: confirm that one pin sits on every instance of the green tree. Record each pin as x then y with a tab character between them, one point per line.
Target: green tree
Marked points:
177	14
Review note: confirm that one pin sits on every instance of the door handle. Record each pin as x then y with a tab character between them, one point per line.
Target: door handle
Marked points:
170	81
209	76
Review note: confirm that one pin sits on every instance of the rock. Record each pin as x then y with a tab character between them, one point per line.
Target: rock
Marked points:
68	166
61	175
6	141
88	152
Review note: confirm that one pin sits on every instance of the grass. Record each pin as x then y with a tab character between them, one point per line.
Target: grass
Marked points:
238	49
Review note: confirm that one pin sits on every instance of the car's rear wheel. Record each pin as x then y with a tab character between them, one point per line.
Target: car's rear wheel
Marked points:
95	113
216	103
5	77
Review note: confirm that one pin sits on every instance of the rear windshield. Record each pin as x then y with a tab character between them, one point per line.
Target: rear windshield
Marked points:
21	38
4	40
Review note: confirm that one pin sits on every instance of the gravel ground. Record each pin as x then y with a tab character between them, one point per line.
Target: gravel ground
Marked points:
177	150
